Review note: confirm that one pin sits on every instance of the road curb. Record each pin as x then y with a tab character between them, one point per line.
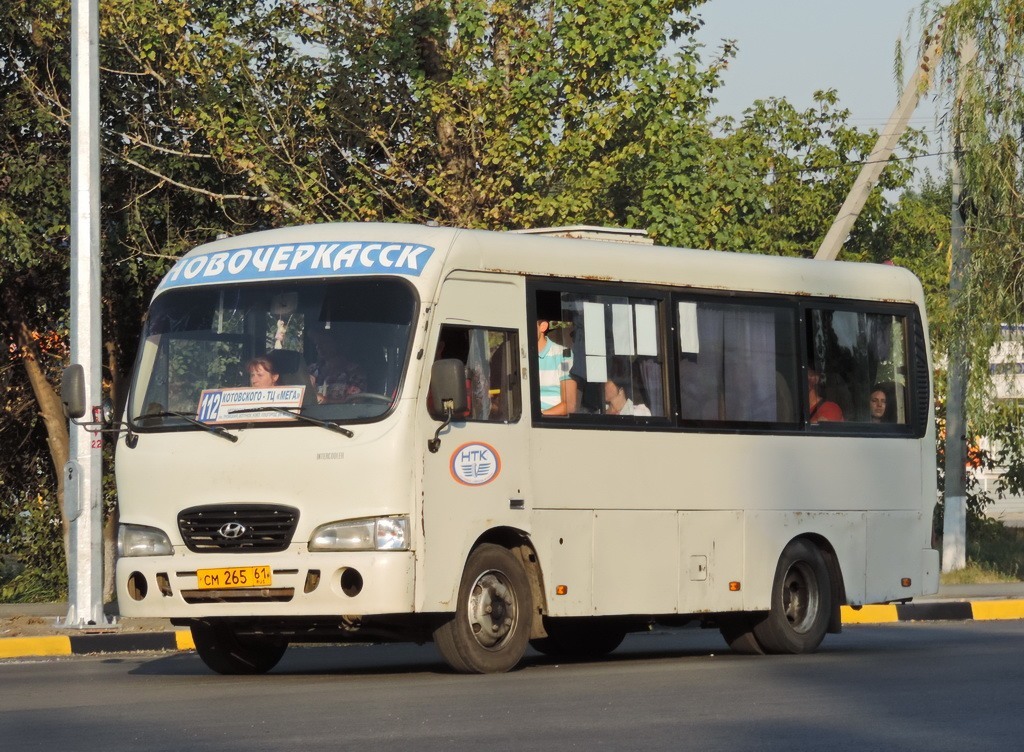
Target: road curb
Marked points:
87	644
982	610
177	640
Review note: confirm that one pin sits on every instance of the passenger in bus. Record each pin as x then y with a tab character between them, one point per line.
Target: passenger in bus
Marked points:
821	409
557	387
617	400
334	376
262	372
878	404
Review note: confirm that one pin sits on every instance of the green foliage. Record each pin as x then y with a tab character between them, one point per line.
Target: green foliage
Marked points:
771	183
986	119
993	546
32	548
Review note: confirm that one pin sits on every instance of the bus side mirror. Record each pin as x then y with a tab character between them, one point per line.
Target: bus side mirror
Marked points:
448	395
448	388
72	391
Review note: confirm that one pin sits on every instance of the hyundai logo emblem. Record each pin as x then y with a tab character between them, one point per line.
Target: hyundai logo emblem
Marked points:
232	530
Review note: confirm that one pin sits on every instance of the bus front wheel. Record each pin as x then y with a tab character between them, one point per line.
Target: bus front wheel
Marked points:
491	625
225	651
801	602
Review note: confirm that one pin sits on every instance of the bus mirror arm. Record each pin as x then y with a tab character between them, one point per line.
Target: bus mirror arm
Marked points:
435	443
72	397
448	394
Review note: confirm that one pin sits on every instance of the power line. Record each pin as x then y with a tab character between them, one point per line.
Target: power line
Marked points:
860	163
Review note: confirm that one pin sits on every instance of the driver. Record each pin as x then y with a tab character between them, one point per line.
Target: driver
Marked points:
334	376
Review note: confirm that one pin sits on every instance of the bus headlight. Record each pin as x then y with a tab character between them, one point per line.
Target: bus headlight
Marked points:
378	534
139	540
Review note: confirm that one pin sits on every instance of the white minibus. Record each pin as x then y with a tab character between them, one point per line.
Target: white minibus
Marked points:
364	432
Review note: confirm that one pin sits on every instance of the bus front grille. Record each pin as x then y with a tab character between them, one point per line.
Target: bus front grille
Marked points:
242	528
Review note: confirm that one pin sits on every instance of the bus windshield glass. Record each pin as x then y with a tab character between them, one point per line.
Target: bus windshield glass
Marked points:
272	354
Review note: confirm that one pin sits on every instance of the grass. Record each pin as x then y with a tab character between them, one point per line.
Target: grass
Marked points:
976	574
995	553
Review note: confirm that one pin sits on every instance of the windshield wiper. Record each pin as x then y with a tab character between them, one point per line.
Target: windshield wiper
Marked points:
216	430
328	424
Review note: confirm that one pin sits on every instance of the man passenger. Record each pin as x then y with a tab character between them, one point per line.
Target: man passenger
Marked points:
557	387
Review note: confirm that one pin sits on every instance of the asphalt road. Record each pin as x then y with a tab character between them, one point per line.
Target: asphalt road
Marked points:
908	686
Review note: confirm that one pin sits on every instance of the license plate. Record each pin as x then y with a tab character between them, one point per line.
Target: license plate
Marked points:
234	577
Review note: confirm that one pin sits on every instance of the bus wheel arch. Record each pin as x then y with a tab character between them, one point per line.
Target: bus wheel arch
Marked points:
521	546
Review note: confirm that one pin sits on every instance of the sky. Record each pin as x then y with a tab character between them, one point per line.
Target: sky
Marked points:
791	48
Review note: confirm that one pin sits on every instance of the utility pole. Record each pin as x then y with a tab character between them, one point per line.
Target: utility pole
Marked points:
83	473
954	518
884	147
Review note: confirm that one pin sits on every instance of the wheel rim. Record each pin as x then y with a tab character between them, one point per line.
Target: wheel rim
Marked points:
492	609
800	596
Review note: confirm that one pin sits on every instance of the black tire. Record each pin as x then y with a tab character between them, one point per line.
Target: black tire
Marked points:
579	638
738	631
801	602
225	651
489	630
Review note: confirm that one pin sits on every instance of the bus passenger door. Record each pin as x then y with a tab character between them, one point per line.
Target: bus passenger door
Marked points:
477	480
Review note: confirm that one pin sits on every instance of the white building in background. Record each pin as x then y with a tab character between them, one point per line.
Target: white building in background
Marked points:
1006	367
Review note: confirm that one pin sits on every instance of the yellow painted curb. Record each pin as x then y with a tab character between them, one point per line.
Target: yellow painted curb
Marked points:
19	647
877	614
998	609
183	638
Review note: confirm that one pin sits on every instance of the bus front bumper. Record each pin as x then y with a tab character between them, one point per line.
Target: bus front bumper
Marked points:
358	583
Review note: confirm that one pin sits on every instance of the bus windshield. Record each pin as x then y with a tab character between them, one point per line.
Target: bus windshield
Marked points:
271	354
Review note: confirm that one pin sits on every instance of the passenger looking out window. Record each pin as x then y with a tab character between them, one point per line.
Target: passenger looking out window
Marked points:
617	399
821	409
877	406
557	387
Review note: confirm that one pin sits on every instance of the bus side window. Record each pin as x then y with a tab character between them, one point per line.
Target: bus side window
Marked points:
737	362
862	361
613	346
490	357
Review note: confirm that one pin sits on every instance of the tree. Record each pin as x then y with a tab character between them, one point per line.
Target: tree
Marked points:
771	183
983	126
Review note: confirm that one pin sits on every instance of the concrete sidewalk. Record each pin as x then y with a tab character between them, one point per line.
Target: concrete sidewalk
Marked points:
44	637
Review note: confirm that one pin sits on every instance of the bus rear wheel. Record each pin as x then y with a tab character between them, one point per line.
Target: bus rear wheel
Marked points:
491	625
801	602
225	651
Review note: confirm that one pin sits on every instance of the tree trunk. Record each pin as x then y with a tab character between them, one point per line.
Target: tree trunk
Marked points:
52	413
110	522
431	25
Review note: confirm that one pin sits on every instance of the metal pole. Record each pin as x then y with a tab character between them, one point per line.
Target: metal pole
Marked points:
83	474
954	518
